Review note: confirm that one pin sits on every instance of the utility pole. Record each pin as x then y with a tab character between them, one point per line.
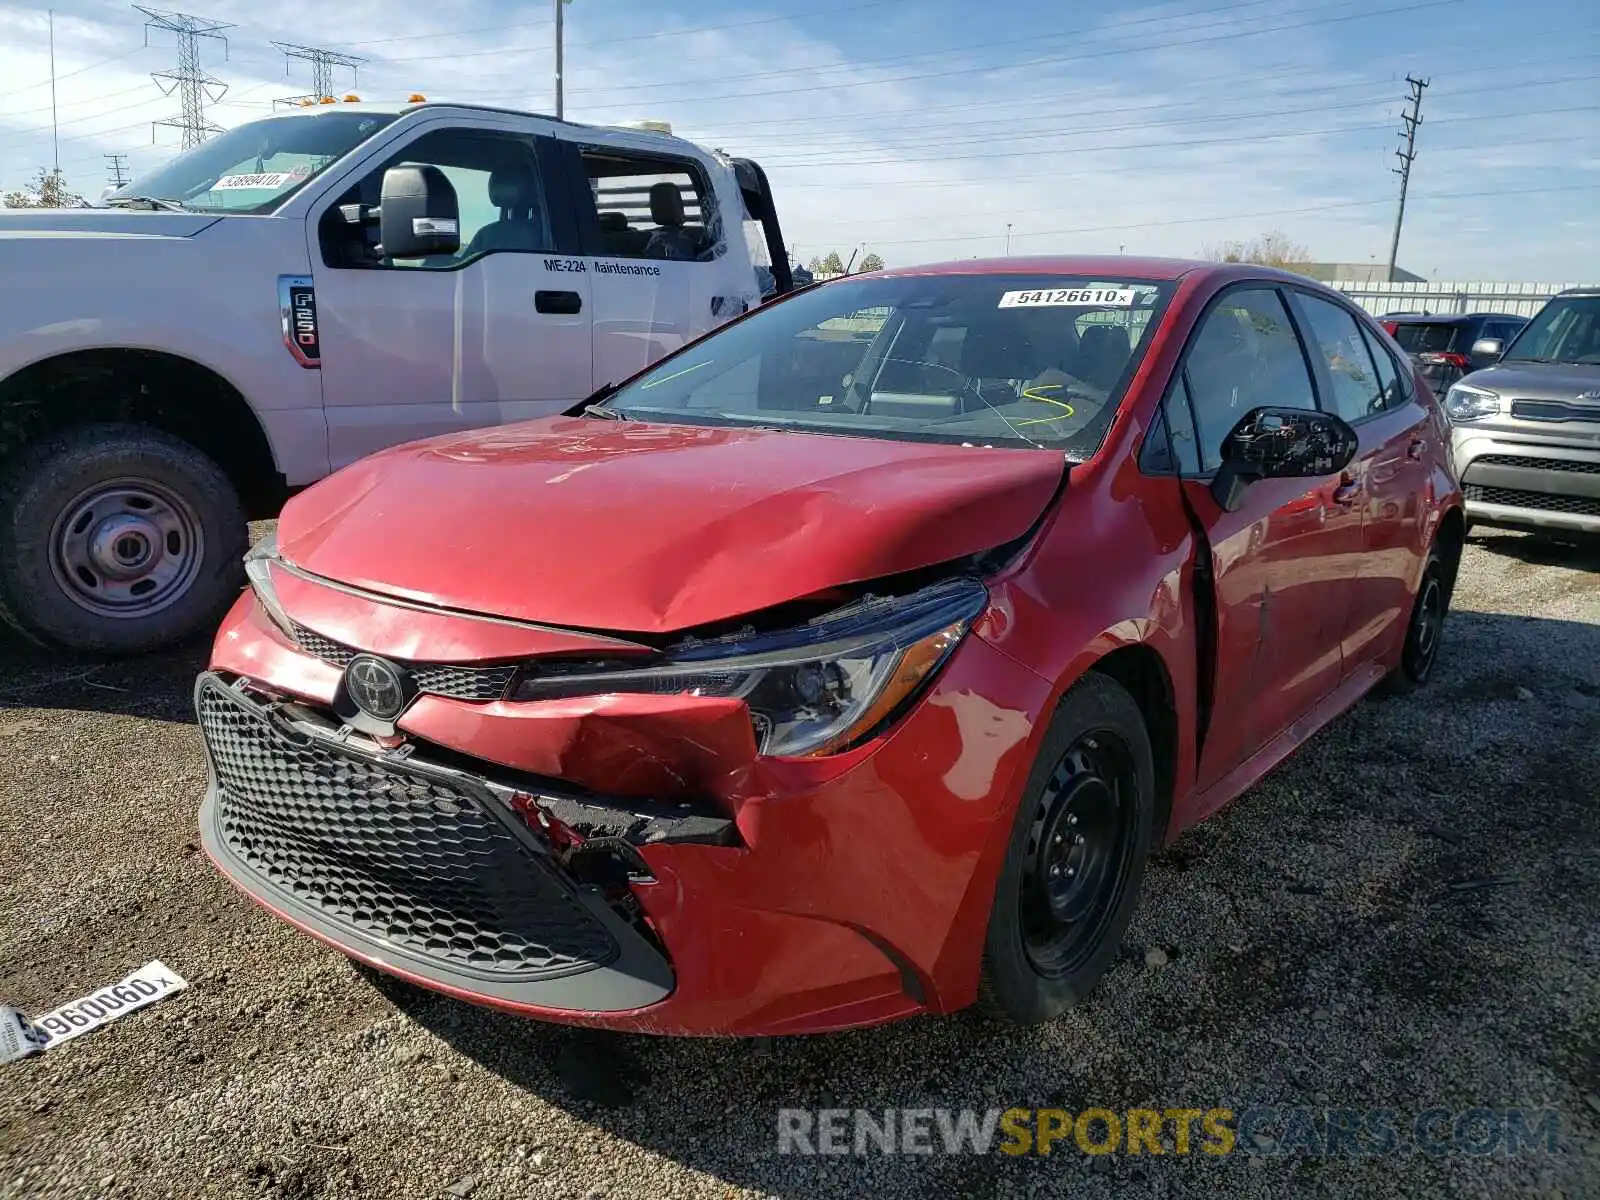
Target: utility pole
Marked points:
55	140
323	62
1412	118
1008	239
193	85
560	105
116	169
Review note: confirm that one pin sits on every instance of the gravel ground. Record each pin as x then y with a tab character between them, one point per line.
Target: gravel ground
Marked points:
1407	915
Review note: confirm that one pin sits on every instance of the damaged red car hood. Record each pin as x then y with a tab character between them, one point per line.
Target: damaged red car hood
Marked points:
651	528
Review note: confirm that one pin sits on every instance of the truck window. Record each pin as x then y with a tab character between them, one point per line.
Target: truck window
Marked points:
498	188
649	207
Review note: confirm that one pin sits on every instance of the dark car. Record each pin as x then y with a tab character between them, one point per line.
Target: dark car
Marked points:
848	663
1441	346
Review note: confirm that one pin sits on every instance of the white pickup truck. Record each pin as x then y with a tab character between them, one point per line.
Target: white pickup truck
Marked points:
308	288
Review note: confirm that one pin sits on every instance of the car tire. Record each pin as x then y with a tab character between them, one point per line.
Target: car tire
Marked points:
117	539
1424	629
1070	880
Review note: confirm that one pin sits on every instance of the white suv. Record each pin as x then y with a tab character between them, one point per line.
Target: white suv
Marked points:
233	326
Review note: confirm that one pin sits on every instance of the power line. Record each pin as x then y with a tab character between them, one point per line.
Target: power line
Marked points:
1075	35
323	64
1274	212
830	154
1136	47
193	84
1412	118
1165	145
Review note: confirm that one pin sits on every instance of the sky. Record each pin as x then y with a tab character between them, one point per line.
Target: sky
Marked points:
935	130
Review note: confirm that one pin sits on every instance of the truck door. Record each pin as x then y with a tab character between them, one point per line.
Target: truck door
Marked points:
500	331
664	266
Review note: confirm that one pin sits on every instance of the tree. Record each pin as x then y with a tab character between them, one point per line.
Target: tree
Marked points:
815	264
872	262
1273	249
833	263
49	190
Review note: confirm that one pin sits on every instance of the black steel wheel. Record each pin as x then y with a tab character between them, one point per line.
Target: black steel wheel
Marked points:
1425	628
1070	881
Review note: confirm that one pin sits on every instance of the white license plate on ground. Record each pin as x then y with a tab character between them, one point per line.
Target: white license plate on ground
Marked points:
151	982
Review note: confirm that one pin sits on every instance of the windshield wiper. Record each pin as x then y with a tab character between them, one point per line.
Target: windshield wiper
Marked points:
593	405
151	202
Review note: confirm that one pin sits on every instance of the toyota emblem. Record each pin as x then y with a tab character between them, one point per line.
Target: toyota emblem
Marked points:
376	686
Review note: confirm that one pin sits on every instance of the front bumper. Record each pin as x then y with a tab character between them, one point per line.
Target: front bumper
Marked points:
818	894
1538	486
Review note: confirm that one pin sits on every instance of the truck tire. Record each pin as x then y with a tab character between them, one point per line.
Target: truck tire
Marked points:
117	539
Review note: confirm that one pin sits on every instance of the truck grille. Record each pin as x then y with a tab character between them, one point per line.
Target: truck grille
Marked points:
1543	501
1537	464
395	854
437	679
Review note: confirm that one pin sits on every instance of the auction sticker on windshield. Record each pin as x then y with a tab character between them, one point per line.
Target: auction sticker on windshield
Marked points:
151	982
1075	297
271	179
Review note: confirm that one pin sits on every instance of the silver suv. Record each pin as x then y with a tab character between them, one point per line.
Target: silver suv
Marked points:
1526	430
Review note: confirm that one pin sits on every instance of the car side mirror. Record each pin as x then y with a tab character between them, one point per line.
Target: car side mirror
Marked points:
1487	351
418	214
1281	443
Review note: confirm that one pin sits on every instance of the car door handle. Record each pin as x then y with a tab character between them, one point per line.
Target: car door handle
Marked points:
559	303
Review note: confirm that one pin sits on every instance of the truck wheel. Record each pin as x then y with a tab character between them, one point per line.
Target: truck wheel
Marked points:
1072	870
117	539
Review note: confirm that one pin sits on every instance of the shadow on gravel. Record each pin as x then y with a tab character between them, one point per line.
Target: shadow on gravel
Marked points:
1345	972
1538	550
157	686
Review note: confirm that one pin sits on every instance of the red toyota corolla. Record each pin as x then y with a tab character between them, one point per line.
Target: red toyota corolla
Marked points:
846	664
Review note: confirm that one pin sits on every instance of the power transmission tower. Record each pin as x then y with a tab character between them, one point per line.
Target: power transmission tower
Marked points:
323	63
193	84
117	169
1412	118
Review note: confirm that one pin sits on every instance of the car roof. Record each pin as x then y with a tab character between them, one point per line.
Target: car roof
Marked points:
1449	318
1100	266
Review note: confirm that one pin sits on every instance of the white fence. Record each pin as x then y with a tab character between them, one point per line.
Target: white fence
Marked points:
1517	299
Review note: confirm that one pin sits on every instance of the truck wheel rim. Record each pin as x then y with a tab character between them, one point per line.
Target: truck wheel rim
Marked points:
1080	850
128	548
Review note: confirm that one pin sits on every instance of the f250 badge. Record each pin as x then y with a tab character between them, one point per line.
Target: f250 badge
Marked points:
297	301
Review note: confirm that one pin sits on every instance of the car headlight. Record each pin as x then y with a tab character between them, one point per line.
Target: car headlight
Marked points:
1466	403
816	689
258	571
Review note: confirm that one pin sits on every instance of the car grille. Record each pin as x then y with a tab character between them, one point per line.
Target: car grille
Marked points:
437	679
1537	464
1514	498
398	855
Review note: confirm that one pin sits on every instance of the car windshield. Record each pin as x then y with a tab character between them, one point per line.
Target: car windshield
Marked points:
1014	360
1567	330
255	167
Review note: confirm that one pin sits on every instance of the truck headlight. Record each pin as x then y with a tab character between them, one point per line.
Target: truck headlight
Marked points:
1466	403
816	689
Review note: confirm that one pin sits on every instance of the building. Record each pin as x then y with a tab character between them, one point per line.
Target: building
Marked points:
1367	272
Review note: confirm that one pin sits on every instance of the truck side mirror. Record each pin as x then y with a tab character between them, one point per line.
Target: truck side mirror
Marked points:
418	214
1487	351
